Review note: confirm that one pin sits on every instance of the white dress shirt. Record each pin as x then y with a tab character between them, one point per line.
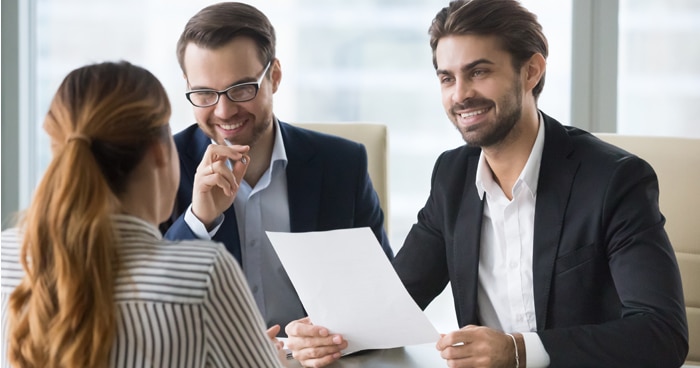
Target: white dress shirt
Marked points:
505	293
179	304
264	207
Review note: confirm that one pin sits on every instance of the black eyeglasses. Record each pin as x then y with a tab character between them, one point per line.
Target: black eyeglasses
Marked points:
237	93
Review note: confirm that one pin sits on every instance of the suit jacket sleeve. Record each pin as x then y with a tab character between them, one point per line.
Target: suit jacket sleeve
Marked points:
651	329
329	186
369	212
179	230
444	244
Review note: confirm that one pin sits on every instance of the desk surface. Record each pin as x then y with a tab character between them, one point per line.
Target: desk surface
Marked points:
414	356
424	355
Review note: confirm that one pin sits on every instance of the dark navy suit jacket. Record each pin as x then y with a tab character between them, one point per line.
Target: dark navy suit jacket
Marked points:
327	183
606	282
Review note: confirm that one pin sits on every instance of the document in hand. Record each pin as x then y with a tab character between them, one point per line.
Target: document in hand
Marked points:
347	284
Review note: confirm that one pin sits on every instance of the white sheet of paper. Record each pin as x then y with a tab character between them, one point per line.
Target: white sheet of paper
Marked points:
347	284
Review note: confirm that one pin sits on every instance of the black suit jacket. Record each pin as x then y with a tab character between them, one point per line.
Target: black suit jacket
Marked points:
606	283
327	184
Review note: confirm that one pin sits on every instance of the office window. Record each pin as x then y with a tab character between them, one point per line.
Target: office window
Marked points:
364	60
659	68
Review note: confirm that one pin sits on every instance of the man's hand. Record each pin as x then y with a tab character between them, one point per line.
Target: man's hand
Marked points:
476	346
215	185
313	346
272	333
279	345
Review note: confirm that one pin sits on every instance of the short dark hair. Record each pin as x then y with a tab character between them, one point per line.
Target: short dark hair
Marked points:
516	27
218	24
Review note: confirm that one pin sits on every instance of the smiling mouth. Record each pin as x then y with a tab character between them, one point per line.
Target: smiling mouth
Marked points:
231	126
473	113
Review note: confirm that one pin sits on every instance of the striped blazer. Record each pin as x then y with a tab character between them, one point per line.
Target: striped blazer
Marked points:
179	304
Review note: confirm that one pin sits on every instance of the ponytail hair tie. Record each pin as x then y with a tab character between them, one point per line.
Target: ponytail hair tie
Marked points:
79	137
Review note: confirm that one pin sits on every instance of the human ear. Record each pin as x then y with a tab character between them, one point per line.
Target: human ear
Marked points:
275	74
535	68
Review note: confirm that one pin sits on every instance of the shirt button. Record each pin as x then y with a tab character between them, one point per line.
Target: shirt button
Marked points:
255	289
513	264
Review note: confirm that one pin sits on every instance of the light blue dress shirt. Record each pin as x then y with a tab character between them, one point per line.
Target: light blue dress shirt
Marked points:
264	207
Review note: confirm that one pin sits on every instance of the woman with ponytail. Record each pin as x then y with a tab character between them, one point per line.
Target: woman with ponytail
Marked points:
87	280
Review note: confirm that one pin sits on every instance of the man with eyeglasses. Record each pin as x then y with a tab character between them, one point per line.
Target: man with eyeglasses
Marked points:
244	172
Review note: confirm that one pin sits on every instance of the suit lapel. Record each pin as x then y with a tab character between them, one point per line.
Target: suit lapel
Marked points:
465	250
195	152
228	234
303	179
557	172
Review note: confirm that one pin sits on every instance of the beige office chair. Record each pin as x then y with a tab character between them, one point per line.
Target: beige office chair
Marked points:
374	138
677	165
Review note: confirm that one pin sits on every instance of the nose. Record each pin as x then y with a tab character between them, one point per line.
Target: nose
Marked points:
463	90
225	108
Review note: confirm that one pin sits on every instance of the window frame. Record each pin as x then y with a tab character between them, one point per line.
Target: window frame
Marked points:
18	106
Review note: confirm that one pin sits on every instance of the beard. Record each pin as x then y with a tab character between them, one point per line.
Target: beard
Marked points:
258	129
510	105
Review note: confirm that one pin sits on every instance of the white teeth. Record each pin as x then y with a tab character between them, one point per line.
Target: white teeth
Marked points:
473	113
231	126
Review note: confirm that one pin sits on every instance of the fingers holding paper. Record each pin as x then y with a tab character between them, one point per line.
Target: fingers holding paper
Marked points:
313	346
279	345
477	346
272	334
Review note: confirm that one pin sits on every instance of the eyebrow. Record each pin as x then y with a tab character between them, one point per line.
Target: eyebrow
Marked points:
467	67
240	81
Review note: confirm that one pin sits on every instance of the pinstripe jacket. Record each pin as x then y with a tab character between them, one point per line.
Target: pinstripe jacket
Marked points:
179	304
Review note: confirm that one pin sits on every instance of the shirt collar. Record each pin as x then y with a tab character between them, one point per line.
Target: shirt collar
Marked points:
528	177
126	224
278	151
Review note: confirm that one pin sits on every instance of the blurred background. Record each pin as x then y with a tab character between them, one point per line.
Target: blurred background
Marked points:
627	66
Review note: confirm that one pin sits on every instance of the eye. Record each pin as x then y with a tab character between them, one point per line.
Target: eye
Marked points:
477	73
445	79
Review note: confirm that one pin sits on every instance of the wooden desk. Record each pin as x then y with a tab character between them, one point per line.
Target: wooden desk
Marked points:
418	356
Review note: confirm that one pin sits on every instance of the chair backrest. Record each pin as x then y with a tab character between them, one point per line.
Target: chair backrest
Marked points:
677	165
374	137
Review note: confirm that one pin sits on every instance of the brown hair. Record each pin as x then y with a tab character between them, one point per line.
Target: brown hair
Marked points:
218	24
101	122
517	28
